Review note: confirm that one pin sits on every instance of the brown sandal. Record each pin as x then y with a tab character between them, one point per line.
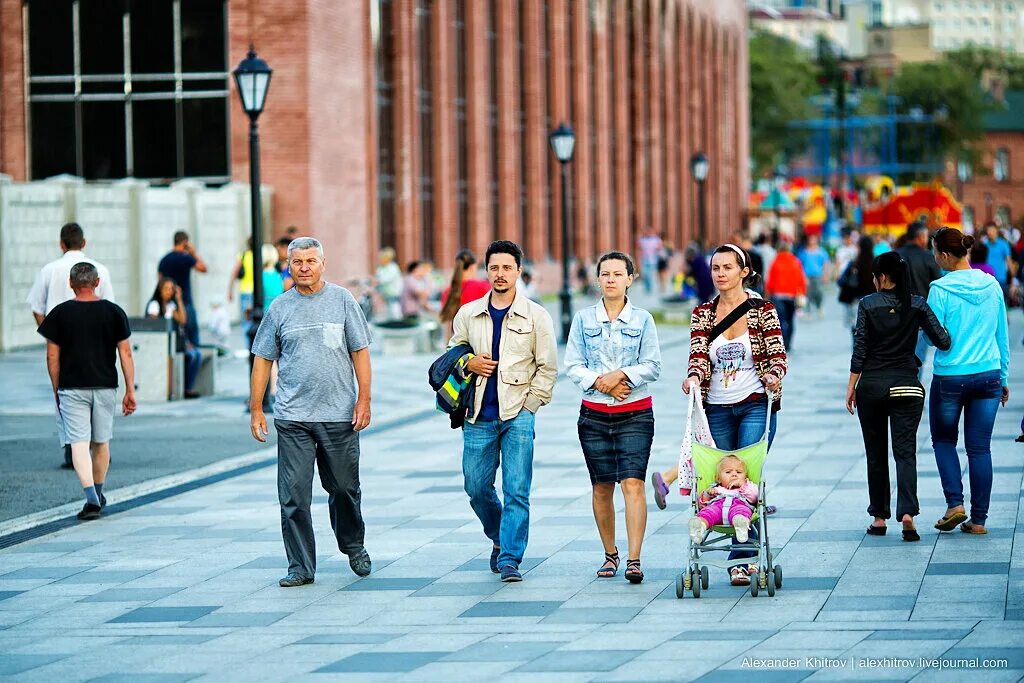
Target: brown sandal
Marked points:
949	522
976	529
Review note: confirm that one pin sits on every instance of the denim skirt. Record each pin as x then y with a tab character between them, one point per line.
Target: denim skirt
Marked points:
616	446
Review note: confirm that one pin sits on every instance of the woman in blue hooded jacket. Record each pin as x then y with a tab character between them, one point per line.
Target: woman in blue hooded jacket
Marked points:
969	378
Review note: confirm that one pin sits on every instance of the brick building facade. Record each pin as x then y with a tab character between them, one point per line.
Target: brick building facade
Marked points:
419	124
994	190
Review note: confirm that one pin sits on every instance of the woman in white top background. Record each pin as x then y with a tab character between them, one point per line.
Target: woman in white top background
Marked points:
167	303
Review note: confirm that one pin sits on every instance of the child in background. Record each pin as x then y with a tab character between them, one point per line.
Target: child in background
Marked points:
727	500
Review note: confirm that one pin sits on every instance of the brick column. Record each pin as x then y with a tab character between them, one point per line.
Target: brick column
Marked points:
14	144
639	95
668	60
681	72
534	89
406	130
655	98
446	236
509	222
582	158
620	113
603	191
558	89
478	172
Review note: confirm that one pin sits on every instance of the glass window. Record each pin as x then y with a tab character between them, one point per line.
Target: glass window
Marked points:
131	88
968	220
1003	215
1001	169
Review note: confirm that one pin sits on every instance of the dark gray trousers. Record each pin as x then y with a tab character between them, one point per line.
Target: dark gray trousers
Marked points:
334	447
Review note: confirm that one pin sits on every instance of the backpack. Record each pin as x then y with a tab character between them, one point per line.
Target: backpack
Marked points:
849	284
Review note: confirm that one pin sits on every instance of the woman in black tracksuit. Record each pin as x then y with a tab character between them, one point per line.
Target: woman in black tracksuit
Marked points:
885	390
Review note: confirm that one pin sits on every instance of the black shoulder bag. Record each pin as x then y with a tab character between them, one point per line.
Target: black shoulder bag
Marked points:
729	320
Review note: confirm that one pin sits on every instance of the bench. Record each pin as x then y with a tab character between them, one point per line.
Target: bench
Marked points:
677	312
393	340
160	369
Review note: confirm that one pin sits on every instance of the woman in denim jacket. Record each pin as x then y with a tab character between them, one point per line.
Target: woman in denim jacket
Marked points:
613	355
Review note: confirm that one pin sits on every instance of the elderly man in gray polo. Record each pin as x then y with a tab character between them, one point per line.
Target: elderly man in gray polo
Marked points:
317	333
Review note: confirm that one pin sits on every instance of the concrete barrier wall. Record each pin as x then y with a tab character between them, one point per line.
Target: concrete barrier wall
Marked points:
129	226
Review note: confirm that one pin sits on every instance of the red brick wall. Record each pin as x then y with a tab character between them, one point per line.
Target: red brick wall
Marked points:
279	30
983	193
12	91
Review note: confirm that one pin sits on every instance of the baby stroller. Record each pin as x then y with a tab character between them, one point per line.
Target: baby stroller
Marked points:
719	539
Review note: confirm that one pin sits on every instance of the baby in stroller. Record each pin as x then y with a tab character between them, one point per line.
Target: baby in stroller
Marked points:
727	501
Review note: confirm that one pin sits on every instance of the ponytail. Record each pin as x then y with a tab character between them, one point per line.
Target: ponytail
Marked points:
463	260
893	265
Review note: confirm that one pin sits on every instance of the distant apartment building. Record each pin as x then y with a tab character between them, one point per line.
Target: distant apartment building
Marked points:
802	25
953	24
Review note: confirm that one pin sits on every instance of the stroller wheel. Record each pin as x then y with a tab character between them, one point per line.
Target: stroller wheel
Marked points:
778	576
771	583
753	587
695	579
704	578
680	585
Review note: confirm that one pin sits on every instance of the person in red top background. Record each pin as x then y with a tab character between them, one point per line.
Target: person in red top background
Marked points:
465	286
787	288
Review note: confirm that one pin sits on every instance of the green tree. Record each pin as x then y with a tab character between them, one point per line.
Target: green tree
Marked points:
782	78
952	91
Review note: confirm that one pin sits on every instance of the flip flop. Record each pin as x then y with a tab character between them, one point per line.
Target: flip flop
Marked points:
969	528
911	535
738	576
949	522
660	490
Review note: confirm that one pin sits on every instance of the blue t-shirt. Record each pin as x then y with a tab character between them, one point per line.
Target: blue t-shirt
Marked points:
490	411
813	261
178	266
998	252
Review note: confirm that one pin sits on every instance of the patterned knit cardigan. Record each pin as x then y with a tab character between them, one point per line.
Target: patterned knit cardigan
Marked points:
765	343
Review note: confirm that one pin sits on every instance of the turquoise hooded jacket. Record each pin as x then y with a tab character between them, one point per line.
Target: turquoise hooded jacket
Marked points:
969	303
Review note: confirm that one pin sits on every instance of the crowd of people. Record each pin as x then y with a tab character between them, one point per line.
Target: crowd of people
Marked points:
501	364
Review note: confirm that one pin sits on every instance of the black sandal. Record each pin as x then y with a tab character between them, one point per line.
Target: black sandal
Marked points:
633	571
876	530
606	572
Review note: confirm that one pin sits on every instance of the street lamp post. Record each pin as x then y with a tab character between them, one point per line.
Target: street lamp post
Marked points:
699	167
252	77
563	141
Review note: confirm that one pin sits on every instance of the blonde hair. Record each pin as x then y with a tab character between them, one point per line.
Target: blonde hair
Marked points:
724	462
270	256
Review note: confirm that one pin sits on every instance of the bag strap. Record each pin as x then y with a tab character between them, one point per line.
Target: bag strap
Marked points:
729	320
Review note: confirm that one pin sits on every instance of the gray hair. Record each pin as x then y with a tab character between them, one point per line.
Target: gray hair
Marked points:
84	276
305	243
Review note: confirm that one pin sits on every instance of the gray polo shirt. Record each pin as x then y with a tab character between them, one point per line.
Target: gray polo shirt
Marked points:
311	337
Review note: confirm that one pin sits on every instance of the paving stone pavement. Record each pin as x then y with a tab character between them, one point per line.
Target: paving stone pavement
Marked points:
186	588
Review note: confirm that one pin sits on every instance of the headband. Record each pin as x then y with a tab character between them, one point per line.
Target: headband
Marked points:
743	257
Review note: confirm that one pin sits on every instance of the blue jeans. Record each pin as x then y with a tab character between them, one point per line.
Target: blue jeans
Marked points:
786	308
977	396
508	527
191	325
736	427
193	361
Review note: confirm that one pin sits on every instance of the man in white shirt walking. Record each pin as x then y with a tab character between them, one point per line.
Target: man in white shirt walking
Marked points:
52	288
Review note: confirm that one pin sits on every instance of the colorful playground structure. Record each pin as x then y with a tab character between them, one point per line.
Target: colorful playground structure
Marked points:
880	208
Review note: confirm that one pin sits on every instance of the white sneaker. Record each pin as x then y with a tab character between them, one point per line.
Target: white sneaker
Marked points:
698	527
742	527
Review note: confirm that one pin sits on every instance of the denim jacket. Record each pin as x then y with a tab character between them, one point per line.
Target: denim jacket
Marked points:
598	346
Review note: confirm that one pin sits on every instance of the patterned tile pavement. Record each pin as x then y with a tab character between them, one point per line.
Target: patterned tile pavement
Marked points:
186	588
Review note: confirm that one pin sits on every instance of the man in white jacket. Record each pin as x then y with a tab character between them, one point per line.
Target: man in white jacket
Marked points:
52	288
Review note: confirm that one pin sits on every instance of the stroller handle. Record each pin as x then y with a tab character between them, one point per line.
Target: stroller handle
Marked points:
693	401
